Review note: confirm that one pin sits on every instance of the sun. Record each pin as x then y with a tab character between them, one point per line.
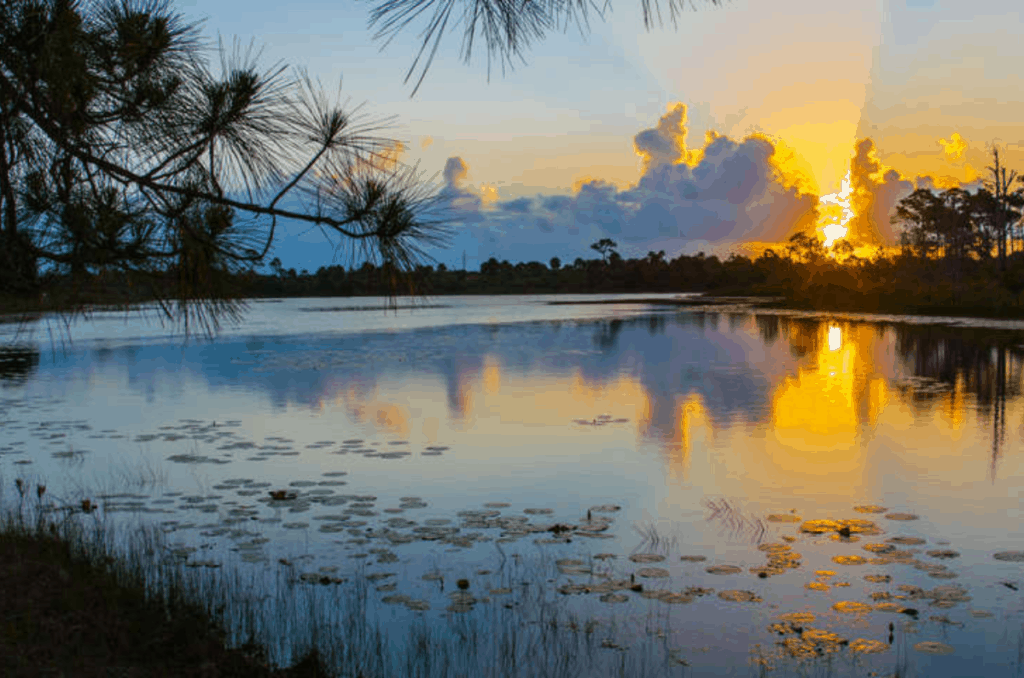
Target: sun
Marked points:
836	213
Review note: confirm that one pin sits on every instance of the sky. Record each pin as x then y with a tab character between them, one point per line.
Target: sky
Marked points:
726	130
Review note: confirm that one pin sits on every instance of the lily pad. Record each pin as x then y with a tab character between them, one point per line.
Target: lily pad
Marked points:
943	553
646	558
901	516
653	572
870	508
851	607
1010	556
693	559
865	646
934	647
849	560
783	518
738	596
723	569
605	508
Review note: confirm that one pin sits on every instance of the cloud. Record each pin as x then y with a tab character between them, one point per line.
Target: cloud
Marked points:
876	190
455	170
666	143
727	191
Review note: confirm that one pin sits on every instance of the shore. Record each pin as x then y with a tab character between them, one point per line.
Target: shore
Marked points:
65	616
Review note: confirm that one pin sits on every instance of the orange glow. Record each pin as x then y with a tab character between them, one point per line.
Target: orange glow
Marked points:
817	414
836	213
488	194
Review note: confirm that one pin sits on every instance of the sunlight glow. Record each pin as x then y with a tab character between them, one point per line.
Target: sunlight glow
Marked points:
835	338
835	221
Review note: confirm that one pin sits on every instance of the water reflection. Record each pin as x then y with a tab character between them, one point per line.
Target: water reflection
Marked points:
17	363
814	391
719	429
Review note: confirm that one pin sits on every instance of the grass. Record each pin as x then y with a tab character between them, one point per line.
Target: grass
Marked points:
88	596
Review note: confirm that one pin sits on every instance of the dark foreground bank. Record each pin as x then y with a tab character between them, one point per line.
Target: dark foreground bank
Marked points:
65	616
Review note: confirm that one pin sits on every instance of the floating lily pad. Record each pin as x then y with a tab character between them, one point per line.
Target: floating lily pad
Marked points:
646	558
738	596
538	511
943	575
605	556
784	518
870	508
849	560
693	559
901	516
1010	556
816	586
879	548
878	578
723	569
652	572
865	646
605	508
497	504
820	526
851	607
934	647
943	553
906	541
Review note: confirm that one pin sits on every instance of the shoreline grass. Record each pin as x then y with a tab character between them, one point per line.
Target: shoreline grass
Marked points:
88	596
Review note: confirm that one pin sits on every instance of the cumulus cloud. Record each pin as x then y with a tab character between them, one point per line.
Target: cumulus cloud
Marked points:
876	190
727	191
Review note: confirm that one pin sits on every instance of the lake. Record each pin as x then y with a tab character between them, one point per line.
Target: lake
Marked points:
782	486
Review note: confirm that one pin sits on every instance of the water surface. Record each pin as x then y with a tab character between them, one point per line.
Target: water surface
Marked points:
717	434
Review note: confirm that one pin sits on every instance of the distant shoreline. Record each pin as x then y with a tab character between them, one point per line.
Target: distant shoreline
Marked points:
695	299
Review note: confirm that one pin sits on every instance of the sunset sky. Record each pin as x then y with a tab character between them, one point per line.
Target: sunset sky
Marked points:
584	141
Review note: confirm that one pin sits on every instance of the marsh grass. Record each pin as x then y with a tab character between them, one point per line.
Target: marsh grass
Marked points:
146	595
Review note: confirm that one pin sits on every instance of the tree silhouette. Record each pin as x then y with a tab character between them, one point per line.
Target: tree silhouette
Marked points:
507	27
604	247
123	153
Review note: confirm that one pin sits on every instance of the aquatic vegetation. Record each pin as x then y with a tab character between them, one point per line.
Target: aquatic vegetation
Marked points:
901	516
934	647
870	508
738	596
849	560
866	646
723	569
1009	556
